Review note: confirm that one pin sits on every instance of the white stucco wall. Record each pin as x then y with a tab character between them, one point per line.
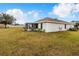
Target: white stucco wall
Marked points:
43	26
51	27
70	26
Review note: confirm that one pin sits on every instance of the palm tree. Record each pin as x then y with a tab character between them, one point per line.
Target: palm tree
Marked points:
7	19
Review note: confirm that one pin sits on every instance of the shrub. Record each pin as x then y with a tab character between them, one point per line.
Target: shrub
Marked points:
73	29
40	30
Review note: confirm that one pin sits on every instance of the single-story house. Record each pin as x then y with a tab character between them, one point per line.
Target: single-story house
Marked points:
76	24
49	25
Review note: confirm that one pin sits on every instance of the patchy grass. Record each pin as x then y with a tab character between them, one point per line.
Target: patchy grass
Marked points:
15	41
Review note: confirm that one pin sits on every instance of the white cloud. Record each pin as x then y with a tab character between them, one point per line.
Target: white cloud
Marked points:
18	14
23	17
65	9
34	14
76	8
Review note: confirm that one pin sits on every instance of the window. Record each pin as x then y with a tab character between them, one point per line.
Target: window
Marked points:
65	26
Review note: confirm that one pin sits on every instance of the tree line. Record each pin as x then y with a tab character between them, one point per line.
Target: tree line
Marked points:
6	19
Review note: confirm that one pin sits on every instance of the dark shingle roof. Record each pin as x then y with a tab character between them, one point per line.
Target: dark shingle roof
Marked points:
75	21
50	20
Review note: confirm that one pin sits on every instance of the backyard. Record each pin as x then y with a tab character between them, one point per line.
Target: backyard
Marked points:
16	42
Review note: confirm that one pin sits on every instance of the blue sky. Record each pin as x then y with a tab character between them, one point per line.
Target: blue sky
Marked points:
26	6
30	12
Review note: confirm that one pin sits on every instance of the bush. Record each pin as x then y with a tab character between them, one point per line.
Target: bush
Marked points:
33	29
73	29
39	30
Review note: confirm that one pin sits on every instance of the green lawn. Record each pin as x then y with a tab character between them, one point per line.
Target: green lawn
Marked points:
15	41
